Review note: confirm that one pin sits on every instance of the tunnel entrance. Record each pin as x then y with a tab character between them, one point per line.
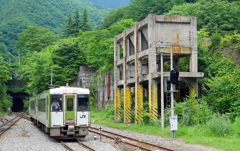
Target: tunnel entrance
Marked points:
17	105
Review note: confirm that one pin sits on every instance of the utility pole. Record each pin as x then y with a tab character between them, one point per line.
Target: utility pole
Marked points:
51	85
51	75
173	118
162	91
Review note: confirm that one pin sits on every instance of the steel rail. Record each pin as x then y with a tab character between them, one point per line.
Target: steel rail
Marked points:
150	144
2	132
143	148
85	146
67	147
8	122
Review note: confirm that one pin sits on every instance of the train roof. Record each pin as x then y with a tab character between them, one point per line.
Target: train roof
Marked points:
67	89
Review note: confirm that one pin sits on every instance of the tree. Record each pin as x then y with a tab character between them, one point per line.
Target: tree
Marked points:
217	15
76	23
114	16
68	58
68	28
139	9
85	26
5	53
35	38
4	98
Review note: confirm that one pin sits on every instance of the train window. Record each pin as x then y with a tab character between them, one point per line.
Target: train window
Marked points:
32	106
56	103
69	104
83	103
41	105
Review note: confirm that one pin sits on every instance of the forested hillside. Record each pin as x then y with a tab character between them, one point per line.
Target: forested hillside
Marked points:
18	15
215	115
110	3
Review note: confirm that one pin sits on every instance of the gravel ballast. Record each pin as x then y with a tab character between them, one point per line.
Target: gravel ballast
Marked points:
25	136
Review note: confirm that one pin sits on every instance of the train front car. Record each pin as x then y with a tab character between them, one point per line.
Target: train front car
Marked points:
70	115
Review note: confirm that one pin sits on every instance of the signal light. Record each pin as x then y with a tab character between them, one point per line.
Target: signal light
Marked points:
174	77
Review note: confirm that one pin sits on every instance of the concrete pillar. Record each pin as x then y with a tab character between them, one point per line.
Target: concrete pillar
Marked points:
153	100
117	105
152	85
138	72
194	54
139	103
117	92
127	105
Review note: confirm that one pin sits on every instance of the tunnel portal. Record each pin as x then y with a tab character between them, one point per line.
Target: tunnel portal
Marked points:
17	105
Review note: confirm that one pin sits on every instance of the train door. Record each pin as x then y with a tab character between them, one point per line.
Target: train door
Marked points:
69	109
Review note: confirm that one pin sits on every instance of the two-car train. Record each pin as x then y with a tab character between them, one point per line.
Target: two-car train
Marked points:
62	112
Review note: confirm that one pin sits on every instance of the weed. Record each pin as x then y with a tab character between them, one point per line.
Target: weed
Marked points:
219	124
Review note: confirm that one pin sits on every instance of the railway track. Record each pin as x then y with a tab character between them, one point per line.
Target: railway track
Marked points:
13	121
80	143
132	139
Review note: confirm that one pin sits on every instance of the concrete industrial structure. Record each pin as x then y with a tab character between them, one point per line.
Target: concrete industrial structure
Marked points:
136	60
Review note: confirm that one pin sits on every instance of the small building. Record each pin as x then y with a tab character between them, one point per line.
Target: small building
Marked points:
137	61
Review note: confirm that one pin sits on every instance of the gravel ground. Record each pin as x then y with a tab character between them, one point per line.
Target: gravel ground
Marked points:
158	140
25	136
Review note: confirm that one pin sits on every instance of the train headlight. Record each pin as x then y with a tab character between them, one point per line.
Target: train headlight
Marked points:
70	91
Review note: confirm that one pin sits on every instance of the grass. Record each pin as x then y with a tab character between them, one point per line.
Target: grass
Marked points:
197	134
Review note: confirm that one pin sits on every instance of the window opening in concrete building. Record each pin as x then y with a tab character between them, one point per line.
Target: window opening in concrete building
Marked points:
144	63
184	64
144	42
121	51
120	72
131	47
131	70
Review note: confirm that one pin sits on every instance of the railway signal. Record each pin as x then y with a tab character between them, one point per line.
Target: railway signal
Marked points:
174	77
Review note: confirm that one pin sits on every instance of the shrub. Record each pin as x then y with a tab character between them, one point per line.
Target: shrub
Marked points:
235	128
219	124
93	101
192	110
216	39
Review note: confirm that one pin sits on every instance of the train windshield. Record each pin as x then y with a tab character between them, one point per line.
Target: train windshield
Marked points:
83	103
56	103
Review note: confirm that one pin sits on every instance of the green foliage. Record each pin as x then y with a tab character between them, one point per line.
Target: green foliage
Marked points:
77	22
5	53
84	25
68	28
35	39
93	102
231	41
235	131
4	98
192	111
115	16
18	15
219	15
73	27
215	39
26	104
141	8
219	124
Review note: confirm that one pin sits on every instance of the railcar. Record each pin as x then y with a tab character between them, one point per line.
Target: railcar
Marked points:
62	112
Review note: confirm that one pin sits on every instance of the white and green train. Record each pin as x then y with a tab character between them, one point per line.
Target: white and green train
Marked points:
62	112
